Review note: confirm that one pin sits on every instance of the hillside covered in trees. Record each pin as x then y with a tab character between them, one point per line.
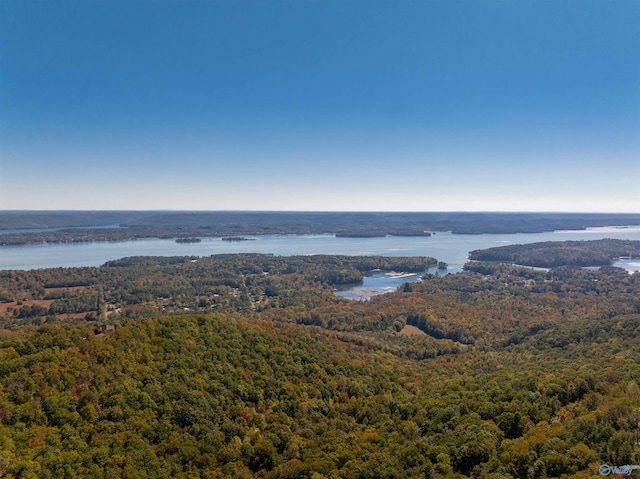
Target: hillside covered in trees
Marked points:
509	372
144	285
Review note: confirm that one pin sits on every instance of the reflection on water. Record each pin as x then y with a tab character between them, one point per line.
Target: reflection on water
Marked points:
630	264
379	283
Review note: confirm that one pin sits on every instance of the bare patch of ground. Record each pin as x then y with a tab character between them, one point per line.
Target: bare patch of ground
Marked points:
411	331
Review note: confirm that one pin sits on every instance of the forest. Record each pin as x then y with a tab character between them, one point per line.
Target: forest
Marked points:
87	226
142	285
555	253
249	366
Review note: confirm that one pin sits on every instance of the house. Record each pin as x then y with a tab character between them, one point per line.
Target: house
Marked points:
103	329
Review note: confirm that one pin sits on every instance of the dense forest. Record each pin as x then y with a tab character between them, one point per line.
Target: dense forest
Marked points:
85	226
142	285
248	366
559	253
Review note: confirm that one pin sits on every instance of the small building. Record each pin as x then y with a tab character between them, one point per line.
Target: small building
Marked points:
103	329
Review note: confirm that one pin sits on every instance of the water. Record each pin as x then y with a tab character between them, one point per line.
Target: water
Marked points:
451	248
631	265
380	283
46	230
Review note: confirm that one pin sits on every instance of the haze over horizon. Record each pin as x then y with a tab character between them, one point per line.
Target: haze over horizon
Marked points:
320	105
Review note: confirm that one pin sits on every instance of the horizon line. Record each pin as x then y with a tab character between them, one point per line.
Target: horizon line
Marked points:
163	210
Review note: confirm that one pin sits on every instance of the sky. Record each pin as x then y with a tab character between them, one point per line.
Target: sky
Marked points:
320	105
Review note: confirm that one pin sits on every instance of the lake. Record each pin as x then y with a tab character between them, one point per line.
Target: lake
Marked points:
380	283
450	248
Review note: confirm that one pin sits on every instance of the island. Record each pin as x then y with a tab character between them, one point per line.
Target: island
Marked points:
237	238
188	240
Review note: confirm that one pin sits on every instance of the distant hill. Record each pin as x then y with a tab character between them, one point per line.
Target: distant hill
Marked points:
360	223
67	219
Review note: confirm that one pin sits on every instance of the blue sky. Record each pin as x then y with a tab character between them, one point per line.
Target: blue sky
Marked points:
320	105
